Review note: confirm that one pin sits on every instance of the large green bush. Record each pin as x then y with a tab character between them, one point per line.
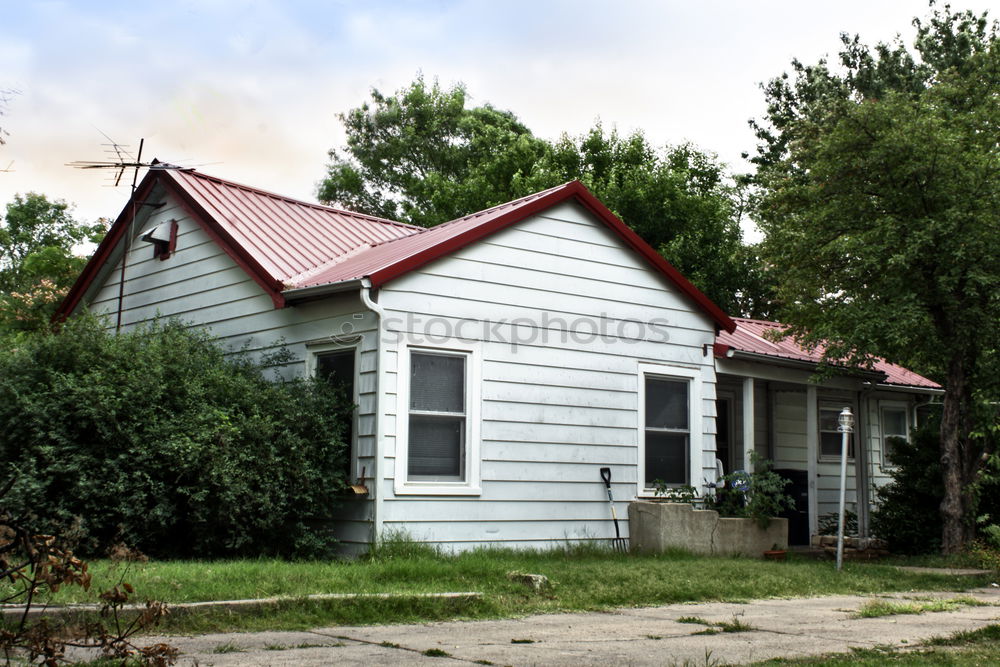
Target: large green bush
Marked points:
908	514
158	439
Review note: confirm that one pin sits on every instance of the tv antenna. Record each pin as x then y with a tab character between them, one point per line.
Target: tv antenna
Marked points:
121	160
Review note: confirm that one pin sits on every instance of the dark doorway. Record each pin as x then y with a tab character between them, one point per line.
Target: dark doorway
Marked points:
798	518
337	367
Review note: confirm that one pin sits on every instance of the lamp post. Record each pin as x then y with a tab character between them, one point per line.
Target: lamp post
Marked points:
845	424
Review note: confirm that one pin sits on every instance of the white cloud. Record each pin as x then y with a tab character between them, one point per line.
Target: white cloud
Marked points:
256	86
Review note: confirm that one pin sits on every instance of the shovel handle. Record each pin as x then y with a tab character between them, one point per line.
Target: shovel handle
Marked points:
606	476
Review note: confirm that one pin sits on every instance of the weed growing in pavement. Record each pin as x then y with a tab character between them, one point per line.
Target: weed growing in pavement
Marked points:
228	647
714	628
693	619
879	608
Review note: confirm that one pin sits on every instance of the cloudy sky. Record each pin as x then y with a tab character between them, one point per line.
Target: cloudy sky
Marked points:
250	90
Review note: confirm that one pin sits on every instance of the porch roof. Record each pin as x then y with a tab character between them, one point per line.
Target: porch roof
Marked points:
751	338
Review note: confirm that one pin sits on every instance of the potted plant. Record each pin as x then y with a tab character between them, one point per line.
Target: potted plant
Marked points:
738	518
759	495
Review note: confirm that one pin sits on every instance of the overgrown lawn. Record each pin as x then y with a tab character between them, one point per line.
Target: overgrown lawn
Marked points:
584	579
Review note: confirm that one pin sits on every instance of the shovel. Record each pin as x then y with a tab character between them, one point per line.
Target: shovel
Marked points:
619	543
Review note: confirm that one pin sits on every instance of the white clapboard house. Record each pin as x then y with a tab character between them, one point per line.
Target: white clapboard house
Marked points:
498	361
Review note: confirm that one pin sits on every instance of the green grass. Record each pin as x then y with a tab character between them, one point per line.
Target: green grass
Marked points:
586	580
964	560
714	628
964	649
878	608
735	625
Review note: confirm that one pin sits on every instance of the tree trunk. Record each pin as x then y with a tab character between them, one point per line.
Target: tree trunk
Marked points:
955	455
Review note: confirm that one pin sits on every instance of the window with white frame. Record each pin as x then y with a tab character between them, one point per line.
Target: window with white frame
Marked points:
438	449
669	426
829	434
895	422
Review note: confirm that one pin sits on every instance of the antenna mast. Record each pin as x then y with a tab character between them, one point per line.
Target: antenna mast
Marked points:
120	161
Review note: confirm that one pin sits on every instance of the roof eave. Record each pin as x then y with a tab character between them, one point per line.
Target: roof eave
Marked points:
876	377
913	388
104	249
298	294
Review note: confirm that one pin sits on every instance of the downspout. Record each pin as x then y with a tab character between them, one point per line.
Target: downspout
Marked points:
369	297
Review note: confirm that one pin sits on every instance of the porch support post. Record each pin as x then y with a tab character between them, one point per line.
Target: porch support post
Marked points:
812	455
748	430
862	463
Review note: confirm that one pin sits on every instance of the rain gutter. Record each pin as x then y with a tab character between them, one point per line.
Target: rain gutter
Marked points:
369	296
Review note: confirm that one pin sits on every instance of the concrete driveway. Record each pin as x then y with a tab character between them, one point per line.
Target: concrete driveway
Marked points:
640	636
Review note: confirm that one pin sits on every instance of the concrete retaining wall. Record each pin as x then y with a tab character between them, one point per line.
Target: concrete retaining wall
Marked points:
656	527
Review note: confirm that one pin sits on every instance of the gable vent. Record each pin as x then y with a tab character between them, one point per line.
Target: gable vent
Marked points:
164	239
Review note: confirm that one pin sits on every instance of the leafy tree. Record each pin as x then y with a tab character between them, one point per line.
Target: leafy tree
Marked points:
424	156
881	192
678	199
37	264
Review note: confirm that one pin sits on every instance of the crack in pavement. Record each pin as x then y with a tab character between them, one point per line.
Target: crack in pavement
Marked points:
385	644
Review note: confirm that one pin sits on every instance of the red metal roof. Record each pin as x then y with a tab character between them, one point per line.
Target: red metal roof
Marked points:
752	336
284	243
290	239
377	263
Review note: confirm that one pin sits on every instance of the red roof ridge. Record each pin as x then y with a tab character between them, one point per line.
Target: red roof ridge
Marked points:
293	200
772	323
472	216
417	232
498	207
293	281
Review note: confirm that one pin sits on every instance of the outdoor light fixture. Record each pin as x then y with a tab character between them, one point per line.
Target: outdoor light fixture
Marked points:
846	421
846	426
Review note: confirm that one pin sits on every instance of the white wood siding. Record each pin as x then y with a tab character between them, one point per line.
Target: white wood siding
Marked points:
881	473
201	285
555	407
790	447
